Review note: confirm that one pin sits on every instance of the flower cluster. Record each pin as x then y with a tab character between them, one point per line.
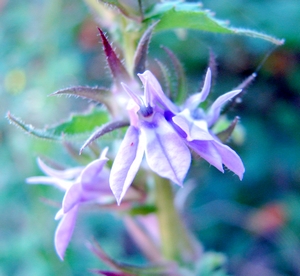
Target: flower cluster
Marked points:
81	185
165	132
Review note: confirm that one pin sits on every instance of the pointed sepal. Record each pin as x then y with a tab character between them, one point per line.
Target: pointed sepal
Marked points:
166	268
98	94
180	89
237	99
118	70
167	77
111	126
140	56
226	133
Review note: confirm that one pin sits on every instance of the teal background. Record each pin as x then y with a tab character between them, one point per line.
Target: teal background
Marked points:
49	45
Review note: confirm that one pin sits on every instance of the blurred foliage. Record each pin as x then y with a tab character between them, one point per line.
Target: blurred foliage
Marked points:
49	45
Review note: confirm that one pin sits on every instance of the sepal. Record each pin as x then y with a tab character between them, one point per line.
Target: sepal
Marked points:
166	268
109	127
179	93
98	94
237	99
140	56
226	133
118	70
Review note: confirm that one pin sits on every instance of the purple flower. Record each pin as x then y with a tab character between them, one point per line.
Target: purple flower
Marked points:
194	124
149	133
81	185
166	133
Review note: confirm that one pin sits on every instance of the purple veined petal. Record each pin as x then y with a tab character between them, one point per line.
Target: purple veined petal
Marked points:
154	92
208	151
193	101
215	109
194	129
63	174
230	159
166	153
64	232
127	163
72	197
46	180
92	177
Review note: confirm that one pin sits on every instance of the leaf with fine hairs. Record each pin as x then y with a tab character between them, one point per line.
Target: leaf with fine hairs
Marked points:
77	124
179	14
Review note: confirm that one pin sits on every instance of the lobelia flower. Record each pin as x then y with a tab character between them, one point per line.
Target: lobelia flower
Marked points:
195	124
166	133
149	133
81	185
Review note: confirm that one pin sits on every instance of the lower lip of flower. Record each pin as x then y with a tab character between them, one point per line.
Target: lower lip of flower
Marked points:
168	116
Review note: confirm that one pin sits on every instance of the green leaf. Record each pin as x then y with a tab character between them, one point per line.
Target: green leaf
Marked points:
191	16
77	124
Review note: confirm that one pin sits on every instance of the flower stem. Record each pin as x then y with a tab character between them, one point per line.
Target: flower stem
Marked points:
176	242
130	39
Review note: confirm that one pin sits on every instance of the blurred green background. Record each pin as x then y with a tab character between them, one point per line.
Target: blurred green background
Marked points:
49	45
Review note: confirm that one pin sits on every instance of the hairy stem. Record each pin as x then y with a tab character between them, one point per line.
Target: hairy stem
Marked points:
176	242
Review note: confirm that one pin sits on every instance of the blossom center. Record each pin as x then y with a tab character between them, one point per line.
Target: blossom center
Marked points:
146	111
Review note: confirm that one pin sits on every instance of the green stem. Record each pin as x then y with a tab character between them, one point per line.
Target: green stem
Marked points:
176	242
129	44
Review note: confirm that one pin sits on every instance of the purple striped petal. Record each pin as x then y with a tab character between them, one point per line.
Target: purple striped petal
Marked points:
127	163
166	153
94	177
64	232
46	180
208	151
193	101
72	197
63	174
215	109
230	159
